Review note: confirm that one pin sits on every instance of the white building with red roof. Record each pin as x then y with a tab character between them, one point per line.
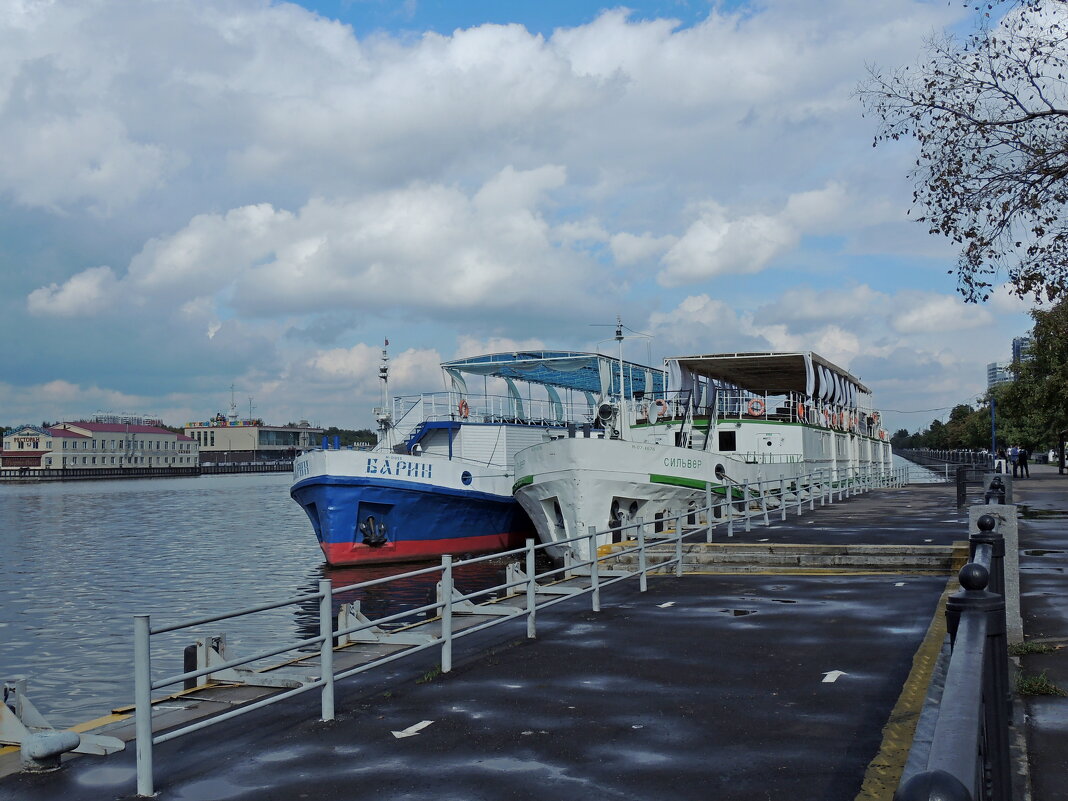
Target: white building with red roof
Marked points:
85	445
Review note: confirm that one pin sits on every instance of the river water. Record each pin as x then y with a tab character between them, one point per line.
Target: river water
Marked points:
81	558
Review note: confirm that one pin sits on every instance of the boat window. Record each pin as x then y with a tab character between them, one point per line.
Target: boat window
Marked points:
728	440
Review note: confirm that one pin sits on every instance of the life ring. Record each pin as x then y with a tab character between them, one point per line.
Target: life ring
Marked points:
465	410
801	412
660	405
755	408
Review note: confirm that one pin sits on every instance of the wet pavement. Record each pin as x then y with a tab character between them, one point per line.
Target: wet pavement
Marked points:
1043	520
707	686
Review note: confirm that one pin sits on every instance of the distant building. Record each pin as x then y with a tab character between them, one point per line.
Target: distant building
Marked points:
86	445
998	373
223	439
1021	349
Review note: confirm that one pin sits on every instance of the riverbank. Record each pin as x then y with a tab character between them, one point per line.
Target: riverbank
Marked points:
19	474
739	687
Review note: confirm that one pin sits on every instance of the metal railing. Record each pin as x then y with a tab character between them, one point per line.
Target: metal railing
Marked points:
524	584
968	757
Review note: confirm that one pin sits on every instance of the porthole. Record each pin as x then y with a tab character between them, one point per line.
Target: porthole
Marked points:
466	478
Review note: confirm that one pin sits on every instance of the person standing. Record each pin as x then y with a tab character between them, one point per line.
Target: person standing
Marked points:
1014	454
1021	459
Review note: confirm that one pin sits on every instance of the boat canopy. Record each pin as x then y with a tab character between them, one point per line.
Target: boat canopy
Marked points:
805	372
590	373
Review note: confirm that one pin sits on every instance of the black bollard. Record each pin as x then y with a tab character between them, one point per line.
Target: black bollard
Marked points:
189	664
962	486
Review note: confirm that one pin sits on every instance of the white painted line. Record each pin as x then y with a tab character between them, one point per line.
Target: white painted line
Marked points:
665	605
412	730
900	584
831	676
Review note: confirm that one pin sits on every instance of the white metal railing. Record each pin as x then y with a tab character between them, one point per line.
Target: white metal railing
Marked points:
525	585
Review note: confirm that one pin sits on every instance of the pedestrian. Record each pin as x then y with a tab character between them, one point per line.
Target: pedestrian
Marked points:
1052	455
1000	463
1014	454
1021	459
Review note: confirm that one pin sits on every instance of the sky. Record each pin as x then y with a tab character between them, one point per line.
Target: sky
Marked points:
243	199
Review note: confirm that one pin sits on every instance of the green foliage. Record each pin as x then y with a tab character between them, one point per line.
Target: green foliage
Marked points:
350	436
1033	409
1037	685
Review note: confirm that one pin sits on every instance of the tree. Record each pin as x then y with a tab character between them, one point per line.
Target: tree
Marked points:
990	115
1036	402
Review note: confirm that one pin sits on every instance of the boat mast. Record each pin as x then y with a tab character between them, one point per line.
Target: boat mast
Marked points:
622	392
382	413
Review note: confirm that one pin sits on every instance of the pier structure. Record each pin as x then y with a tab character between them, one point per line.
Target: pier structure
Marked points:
789	679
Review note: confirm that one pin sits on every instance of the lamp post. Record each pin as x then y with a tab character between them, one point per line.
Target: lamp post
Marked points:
993	429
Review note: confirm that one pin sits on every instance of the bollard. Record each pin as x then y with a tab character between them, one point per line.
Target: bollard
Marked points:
42	751
995	493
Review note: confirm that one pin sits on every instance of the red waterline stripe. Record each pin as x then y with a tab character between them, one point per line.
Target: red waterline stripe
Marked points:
346	553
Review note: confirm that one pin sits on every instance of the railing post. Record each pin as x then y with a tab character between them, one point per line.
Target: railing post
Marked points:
782	497
326	652
642	579
708	514
745	506
729	495
764	502
143	703
678	546
446	613
532	588
595	582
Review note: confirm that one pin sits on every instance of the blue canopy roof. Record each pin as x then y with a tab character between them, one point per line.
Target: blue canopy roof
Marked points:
564	369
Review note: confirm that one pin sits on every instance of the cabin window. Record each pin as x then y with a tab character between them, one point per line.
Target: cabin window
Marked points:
728	440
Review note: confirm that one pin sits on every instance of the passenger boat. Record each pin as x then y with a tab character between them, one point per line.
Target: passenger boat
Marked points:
439	480
726	420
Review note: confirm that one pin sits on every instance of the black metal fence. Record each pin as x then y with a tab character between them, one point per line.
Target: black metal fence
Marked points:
68	474
968	757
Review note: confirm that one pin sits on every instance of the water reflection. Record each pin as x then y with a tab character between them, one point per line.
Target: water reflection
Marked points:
81	558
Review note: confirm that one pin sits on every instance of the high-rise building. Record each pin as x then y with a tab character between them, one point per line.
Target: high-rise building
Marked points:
998	373
1021	349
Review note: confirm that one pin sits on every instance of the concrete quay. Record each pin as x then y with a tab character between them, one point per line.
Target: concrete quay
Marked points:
764	685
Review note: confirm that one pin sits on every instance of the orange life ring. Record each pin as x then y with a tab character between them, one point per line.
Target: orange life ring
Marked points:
465	410
755	407
801	412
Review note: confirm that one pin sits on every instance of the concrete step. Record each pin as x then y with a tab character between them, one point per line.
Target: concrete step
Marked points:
743	557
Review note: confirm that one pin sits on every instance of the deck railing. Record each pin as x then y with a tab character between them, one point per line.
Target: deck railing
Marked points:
526	592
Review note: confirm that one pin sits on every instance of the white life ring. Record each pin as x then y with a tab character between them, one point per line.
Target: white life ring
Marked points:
755	408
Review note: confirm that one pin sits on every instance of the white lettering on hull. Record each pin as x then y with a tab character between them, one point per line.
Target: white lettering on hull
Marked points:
402	468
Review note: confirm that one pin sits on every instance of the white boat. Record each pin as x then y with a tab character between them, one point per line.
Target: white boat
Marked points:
725	421
439	481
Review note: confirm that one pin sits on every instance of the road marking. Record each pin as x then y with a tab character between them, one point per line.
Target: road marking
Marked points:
831	676
412	730
900	584
665	605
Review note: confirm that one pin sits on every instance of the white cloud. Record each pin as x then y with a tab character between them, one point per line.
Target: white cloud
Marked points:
89	293
927	313
716	244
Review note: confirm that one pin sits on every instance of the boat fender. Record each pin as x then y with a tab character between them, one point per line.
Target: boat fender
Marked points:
755	407
464	409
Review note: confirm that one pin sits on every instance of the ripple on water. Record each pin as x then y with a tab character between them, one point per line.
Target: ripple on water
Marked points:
81	558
